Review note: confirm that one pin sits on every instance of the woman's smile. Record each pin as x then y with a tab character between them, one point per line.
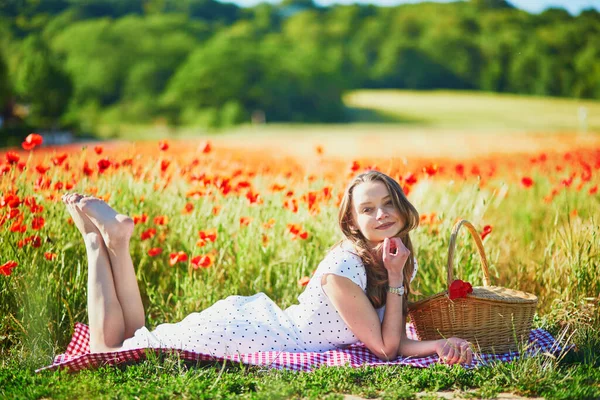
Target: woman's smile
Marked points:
385	226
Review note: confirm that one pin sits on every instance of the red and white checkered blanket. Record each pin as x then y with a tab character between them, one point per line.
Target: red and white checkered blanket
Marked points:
78	355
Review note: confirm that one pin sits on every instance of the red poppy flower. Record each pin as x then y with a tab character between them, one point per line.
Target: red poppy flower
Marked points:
253	198
155	251
486	231
12	157
7	267
164	164
206	147
13	213
163	145
174	258
103	165
98	149
188	208
527	182
148	234
355	166
210	235
245	221
276	187
291	204
36	209
32	140
294	229
140	218
87	171
17	225
35	241
11	200
431	170
58	160
38	223
593	190
410	179
202	261
297	232
41	169
459	289
161	220
50	256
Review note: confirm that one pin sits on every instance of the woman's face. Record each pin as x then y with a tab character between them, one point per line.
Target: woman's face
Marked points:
374	213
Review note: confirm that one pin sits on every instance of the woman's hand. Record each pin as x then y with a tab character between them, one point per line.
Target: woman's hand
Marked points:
454	350
395	255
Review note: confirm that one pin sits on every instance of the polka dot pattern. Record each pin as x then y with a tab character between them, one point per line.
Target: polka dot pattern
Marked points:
240	324
318	323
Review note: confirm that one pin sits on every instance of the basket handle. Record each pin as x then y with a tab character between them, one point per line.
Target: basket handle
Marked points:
452	245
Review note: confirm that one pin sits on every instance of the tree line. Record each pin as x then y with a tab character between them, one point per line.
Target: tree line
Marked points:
79	63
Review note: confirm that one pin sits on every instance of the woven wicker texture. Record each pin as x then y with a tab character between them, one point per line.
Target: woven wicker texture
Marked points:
493	318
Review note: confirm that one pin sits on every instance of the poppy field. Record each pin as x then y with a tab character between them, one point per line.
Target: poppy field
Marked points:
216	217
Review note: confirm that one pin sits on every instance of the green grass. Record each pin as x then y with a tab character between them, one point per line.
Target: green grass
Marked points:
478	111
539	376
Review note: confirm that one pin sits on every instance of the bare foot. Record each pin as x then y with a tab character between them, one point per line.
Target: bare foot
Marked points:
91	234
115	228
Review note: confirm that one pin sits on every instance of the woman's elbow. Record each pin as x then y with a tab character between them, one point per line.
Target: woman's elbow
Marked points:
387	354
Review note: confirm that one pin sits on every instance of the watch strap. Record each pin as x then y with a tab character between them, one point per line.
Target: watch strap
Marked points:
397	290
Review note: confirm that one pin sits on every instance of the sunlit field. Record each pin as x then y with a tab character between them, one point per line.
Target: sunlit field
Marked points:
216	217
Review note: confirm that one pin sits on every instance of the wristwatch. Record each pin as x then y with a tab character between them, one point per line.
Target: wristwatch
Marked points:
397	290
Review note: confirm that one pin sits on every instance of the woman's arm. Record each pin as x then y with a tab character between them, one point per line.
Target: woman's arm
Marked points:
416	348
353	305
387	339
451	351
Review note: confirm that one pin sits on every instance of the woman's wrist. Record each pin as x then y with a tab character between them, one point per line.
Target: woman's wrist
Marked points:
395	280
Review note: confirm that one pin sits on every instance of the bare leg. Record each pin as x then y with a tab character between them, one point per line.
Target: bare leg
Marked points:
104	310
116	230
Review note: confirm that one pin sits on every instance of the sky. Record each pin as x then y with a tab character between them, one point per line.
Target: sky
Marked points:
533	6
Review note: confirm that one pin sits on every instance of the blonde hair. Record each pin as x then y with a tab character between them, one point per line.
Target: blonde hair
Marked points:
377	279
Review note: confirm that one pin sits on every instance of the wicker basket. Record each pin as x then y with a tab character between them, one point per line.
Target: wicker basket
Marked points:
494	319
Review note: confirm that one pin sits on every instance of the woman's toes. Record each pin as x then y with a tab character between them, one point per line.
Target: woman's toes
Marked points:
70	198
75	198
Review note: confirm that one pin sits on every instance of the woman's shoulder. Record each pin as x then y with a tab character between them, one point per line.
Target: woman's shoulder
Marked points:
346	249
343	259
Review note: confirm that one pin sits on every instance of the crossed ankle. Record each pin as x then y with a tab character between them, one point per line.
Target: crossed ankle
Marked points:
93	240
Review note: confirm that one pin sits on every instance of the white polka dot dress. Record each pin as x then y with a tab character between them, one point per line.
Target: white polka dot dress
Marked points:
240	324
319	325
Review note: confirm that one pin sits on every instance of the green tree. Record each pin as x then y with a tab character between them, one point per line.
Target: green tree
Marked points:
587	71
128	61
41	82
5	88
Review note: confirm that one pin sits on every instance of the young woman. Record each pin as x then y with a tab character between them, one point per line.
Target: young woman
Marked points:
358	293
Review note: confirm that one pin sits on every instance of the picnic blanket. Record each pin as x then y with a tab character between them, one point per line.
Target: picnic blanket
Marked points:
78	356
